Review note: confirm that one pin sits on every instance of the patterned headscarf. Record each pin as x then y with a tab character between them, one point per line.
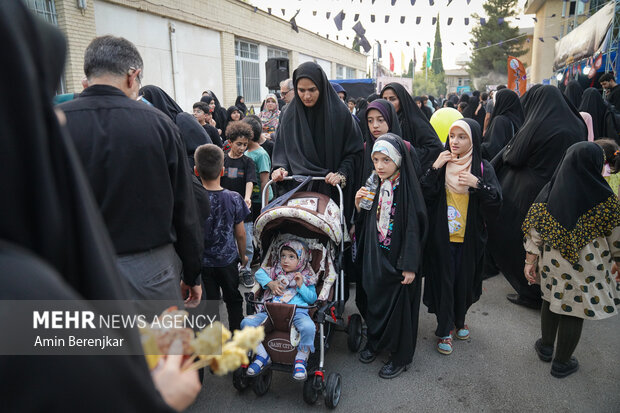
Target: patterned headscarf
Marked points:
277	273
270	119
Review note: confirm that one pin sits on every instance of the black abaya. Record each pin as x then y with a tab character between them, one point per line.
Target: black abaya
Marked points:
54	244
523	167
603	123
573	92
392	315
441	296
506	120
416	127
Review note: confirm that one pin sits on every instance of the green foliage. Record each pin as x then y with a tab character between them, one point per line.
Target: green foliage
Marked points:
434	85
356	44
493	59
409	70
437	62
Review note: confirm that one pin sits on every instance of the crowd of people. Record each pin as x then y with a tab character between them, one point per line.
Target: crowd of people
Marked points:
120	194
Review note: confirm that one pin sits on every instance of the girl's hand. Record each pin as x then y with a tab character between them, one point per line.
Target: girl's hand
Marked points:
530	273
442	159
299	279
333	178
466	178
409	276
279	175
361	193
614	270
276	287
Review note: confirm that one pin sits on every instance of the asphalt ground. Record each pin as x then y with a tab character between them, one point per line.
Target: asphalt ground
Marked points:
496	370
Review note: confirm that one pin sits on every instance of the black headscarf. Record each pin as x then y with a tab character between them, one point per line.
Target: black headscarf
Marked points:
192	133
416	127
53	242
603	124
229	113
573	92
241	105
391	118
219	113
464	98
472	107
525	99
320	139
577	205
506	120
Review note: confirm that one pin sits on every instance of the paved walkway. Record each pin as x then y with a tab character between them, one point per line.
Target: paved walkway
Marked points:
496	370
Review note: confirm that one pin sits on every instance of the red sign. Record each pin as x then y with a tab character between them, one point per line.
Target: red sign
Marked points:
517	80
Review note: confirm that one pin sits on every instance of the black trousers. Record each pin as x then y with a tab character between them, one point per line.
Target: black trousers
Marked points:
227	279
453	307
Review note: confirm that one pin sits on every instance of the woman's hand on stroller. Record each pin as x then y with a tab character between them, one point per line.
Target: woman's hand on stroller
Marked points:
408	276
276	287
279	175
333	178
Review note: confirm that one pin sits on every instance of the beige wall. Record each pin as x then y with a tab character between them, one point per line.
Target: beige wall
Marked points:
230	18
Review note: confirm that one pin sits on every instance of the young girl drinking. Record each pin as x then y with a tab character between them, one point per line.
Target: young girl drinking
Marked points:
291	280
462	193
391	241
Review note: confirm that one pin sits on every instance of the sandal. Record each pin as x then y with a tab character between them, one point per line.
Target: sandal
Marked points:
462	333
255	368
444	345
300	373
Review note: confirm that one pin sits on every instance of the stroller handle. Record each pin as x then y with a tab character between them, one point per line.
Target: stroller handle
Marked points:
301	178
258	302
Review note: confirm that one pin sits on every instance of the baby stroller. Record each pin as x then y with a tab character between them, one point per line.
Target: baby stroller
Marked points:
319	222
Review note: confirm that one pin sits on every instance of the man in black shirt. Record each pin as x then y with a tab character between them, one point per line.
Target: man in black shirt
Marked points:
136	164
608	81
204	117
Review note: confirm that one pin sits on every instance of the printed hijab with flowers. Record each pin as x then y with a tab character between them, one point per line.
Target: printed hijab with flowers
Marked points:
277	273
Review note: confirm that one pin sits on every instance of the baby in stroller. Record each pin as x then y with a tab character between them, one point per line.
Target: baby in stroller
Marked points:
290	280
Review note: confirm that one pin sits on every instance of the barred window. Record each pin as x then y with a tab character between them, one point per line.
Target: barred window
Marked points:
247	67
273	52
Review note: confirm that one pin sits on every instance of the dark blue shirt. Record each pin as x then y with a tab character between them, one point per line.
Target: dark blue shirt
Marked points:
227	210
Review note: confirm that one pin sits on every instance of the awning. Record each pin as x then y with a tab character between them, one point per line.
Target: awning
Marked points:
586	39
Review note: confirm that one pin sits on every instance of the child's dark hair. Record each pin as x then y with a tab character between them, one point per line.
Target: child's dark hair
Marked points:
238	129
209	161
463	106
256	126
612	153
202	106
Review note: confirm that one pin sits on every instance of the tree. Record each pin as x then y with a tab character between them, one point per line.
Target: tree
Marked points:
423	67
410	69
356	44
437	62
495	40
433	85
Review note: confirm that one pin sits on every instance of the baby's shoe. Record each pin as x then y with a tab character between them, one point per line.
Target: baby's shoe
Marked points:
259	364
462	333
444	345
300	373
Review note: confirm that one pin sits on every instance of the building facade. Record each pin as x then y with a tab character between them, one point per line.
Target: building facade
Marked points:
189	46
456	80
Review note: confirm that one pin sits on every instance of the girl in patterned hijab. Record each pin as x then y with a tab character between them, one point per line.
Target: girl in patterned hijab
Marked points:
291	280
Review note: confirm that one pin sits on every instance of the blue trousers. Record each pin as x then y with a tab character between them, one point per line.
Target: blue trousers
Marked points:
302	322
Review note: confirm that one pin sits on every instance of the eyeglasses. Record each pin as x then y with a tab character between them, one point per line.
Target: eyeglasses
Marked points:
287	92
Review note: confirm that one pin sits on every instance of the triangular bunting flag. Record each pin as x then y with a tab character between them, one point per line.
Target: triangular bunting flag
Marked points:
356	17
314	12
431	2
359	29
387	19
255	9
418	20
500	20
449	21
434	20
283	12
413	2
365	45
535	19
466	21
541	39
294	23
449	1
407	43
372	18
555	37
328	14
483	21
393	2
338	20
269	10
402	19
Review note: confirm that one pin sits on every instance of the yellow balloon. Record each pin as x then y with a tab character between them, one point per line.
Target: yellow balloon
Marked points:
442	119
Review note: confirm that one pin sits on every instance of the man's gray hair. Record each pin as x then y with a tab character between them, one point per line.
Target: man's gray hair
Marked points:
111	55
288	83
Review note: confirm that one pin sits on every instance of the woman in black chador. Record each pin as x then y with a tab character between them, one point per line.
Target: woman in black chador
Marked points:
414	124
317	135
573	92
462	193
391	240
603	121
523	167
506	120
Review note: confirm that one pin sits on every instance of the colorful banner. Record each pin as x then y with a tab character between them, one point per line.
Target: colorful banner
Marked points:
391	62
517	80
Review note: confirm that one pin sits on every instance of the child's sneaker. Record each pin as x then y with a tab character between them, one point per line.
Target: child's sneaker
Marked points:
247	279
462	333
444	345
300	372
259	364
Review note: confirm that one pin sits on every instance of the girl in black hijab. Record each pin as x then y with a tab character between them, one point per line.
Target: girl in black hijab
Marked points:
475	110
415	127
506	120
192	133
233	114
240	103
394	231
573	92
462	193
319	135
523	167
53	242
603	122
572	239
219	114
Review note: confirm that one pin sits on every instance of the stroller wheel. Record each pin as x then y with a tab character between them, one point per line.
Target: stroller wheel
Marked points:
332	390
354	330
261	383
240	380
311	393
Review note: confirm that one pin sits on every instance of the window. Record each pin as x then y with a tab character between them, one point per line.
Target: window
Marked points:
344	72
273	52
44	8
247	67
350	73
